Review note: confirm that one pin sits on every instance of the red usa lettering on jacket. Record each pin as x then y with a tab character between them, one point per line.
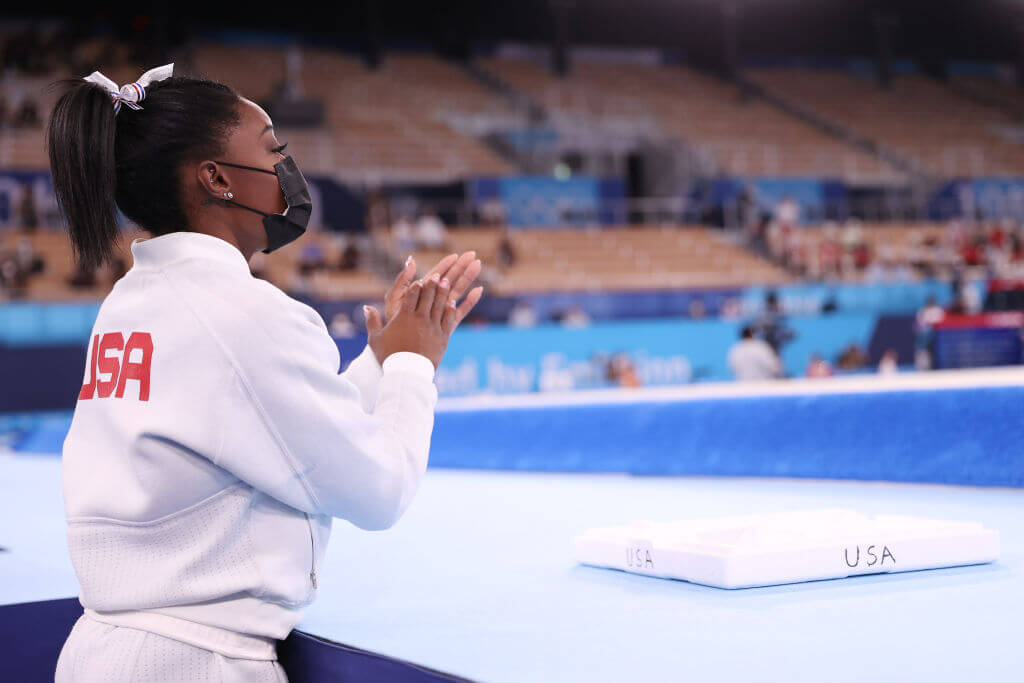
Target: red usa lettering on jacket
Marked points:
120	367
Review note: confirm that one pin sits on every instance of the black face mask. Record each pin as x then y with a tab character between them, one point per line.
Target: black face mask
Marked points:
286	227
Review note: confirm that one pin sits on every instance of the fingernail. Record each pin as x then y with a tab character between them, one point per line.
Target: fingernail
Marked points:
407	259
366	311
444	283
435	277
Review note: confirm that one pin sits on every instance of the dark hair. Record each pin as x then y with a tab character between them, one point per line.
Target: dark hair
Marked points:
101	162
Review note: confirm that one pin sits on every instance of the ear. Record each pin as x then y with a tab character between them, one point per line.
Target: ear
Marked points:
213	180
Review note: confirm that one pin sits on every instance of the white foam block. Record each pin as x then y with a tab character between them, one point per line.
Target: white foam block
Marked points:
788	547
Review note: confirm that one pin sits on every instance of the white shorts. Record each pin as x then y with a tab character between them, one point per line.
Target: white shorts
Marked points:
95	651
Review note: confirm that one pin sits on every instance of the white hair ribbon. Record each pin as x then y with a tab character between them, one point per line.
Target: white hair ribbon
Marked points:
131	92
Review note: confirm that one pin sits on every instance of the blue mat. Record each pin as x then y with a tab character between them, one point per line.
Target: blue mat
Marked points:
972	436
955	436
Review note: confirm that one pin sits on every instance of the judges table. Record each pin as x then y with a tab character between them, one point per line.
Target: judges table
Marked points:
478	581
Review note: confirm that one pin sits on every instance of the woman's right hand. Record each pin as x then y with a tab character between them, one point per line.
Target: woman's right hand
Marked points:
425	320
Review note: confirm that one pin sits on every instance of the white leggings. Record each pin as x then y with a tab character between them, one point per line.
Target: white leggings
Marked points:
95	652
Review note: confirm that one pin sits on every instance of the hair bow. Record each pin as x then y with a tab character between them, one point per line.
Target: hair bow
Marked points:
131	92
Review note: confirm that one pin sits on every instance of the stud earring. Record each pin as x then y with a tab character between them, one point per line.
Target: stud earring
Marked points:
229	195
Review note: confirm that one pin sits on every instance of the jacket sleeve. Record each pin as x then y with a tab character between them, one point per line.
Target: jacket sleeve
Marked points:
308	438
365	372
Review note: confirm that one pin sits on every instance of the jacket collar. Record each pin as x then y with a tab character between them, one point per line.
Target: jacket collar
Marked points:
174	246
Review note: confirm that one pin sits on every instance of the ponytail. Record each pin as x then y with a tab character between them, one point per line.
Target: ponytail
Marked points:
80	144
102	163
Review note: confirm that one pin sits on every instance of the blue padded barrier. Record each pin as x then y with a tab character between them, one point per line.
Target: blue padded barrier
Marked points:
972	436
33	633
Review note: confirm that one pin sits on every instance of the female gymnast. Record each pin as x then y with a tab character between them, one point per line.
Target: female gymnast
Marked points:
213	440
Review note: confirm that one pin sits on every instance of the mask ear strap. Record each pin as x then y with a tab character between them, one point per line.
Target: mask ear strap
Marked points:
251	168
231	201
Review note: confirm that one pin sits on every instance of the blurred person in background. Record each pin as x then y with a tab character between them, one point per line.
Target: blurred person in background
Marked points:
829	252
430	231
28	259
403	240
753	359
771	325
574	316
852	357
522	314
888	364
930	313
312	257
818	367
349	258
341	326
28	216
506	252
622	372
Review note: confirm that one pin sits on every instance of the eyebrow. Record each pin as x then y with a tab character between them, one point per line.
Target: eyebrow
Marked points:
265	129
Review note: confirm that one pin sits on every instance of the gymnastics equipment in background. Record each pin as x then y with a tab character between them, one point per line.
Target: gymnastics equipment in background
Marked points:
745	551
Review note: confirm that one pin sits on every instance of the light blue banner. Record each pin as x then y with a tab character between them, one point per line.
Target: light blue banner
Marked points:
504	360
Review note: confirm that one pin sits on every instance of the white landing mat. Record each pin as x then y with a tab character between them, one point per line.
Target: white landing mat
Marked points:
785	547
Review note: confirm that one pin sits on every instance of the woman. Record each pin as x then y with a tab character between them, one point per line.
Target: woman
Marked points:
213	440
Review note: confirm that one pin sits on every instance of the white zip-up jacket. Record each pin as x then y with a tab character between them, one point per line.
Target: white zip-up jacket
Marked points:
214	440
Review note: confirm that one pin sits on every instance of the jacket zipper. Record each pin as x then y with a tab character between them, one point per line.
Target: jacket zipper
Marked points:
312	545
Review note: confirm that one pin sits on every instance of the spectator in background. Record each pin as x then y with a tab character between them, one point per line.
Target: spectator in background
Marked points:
930	314
492	212
522	315
772	327
971	296
402	238
622	372
731	308
341	326
888	269
753	359
818	367
855	251
889	363
430	231
575	316
506	252
28	217
787	211
349	259
853	357
29	261
312	257
829	252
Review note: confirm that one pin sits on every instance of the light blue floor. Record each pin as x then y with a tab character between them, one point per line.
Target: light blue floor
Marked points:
478	579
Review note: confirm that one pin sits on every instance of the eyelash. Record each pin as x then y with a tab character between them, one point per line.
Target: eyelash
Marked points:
280	149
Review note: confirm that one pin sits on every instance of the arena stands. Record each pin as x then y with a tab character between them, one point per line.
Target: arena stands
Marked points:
942	133
396	122
739	136
615	258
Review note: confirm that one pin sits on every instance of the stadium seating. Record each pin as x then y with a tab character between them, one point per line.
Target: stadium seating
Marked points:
390	123
614	258
740	137
943	133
